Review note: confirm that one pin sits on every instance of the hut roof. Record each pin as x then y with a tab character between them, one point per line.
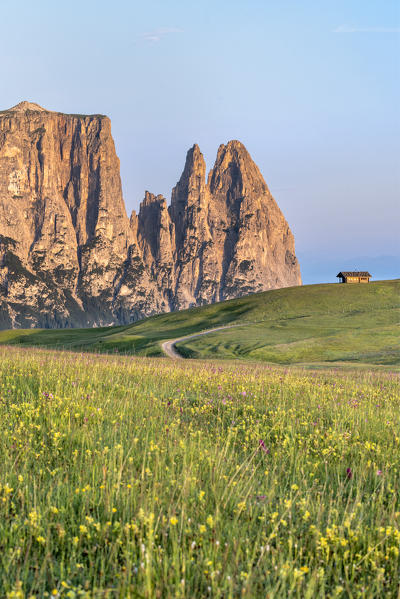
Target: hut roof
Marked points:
355	273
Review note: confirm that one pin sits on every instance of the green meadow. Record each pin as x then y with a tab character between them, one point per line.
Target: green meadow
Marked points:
126	477
312	324
272	472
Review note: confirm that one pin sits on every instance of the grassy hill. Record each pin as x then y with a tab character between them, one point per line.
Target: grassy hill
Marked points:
309	324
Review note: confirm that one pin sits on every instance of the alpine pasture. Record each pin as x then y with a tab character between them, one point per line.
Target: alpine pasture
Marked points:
310	324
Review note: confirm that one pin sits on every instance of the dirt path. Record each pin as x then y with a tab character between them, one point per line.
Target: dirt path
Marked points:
170	350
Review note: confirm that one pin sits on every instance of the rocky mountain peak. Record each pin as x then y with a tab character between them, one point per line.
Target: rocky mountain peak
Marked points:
234	169
150	199
232	148
189	198
25	106
195	166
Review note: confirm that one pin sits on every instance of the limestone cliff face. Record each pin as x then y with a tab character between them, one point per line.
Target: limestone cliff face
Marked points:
69	256
156	236
190	206
66	245
251	233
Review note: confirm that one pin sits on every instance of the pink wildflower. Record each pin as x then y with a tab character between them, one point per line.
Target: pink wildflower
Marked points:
261	445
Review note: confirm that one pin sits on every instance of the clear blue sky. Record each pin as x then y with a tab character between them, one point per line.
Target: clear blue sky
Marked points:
311	88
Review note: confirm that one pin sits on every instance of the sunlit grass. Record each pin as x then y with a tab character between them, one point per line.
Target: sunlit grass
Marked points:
306	324
129	477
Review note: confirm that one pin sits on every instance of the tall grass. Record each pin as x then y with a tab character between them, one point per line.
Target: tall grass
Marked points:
129	477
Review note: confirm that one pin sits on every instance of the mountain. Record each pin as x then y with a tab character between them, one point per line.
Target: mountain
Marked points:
69	255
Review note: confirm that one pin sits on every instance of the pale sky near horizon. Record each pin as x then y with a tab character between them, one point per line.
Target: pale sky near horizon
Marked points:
311	88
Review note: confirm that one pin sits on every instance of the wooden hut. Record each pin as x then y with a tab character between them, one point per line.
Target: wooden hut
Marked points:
354	277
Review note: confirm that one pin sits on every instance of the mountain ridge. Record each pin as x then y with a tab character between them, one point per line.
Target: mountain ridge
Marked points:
69	255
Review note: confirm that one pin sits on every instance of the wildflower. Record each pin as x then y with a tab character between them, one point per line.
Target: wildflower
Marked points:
349	473
297	573
304	569
379	473
173	521
210	521
262	446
